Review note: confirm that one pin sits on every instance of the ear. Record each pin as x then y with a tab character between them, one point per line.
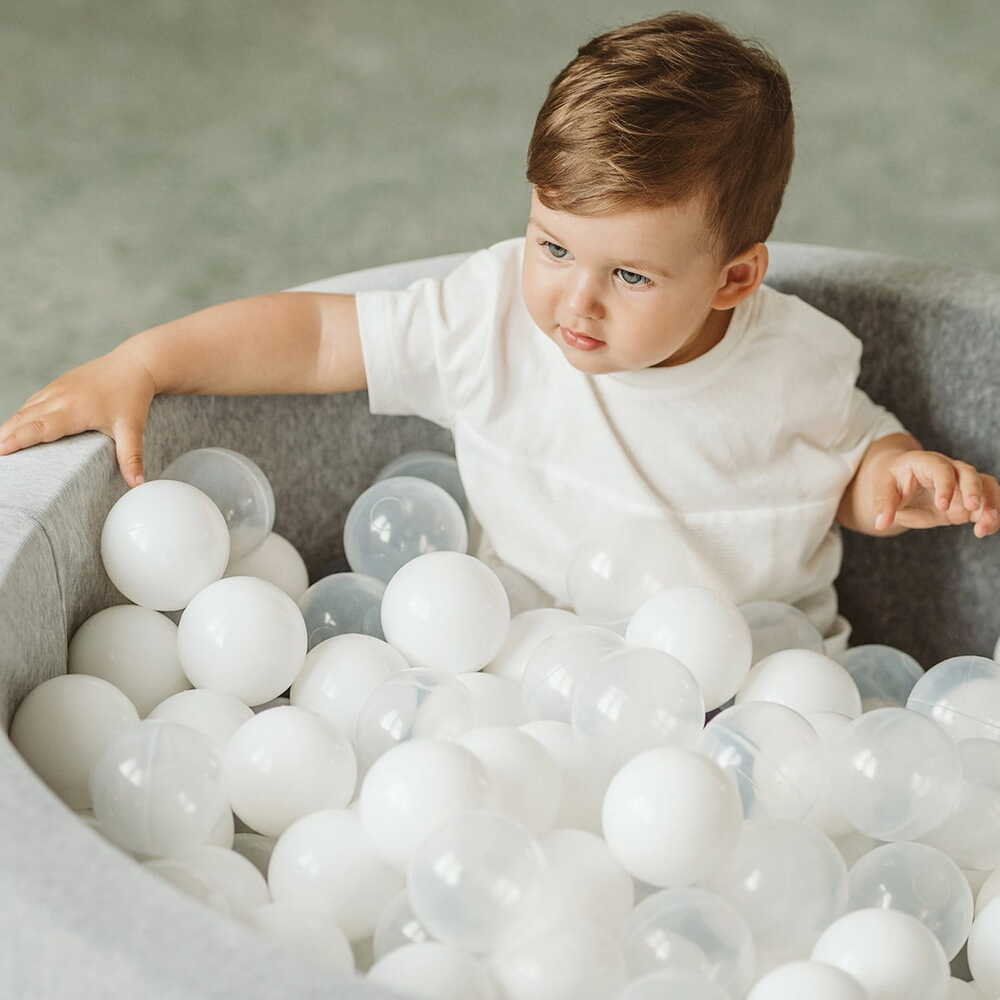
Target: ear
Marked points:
741	277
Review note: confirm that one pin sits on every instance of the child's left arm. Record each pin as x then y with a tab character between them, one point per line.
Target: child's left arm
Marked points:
899	486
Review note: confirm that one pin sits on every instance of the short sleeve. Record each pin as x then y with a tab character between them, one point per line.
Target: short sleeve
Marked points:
866	422
426	347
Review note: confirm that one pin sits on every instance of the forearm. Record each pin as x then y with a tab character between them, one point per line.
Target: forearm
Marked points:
857	509
267	344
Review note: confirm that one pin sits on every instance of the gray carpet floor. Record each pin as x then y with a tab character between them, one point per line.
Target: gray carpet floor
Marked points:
160	156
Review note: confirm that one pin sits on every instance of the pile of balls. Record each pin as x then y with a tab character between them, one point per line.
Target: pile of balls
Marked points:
423	772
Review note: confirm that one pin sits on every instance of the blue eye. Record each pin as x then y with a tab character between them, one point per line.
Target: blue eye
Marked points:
632	284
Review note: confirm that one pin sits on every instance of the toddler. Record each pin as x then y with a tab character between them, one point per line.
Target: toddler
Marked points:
621	360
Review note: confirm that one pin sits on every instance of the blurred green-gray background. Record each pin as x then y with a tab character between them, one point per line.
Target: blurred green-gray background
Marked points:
161	156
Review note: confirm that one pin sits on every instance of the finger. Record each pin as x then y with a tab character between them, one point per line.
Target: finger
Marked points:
887	501
9	426
988	520
938	476
128	447
971	486
29	432
957	513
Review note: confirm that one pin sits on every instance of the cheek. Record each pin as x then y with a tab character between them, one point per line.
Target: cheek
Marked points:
537	297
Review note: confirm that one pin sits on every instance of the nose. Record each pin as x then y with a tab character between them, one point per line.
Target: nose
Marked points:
584	301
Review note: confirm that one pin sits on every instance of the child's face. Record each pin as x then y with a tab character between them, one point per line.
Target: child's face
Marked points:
633	280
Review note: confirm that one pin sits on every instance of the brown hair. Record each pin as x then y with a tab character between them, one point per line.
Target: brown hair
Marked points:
663	110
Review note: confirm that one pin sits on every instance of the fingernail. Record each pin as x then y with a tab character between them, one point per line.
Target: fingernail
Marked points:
880	520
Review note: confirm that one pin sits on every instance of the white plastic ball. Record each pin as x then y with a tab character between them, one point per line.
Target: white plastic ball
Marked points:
399	519
412	704
919	880
474	878
962	695
237	486
522	592
771	753
327	859
557	664
637	698
63	725
895	774
587	879
309	933
282	765
415	787
342	604
242	636
804	680
496	700
984	949
891	954
235	877
525	632
340	673
703	919
191	883
705	630
789	882
162	542
447	611
433	971
673	984
214	715
959	989
277	561
807	979
133	648
571	959
671	817
158	788
884	675
988	891
775	625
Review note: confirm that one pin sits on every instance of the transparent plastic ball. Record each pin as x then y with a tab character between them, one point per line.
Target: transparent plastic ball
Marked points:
447	611
191	883
705	630
414	788
277	561
328	859
522	592
970	835
804	680
895	774
162	542
771	753
805	978
891	954
921	881
962	695
637	698
236	878
673	984
775	625
496	700
63	725
158	788
435	466
474	878
557	663
884	675
788	881
343	604
396	520
242	636
621	564
825	814
571	959
397	926
412	704
704	919
107	643
671	816
237	486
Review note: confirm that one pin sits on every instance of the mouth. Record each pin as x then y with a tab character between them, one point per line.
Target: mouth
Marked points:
579	340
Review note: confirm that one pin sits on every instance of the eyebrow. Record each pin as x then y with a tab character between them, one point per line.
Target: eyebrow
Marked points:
644	265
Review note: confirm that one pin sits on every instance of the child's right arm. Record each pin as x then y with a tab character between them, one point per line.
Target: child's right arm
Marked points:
287	342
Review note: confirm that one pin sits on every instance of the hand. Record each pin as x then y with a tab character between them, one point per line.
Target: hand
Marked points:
111	394
925	489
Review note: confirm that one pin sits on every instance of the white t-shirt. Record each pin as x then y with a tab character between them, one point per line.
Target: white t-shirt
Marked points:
745	451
